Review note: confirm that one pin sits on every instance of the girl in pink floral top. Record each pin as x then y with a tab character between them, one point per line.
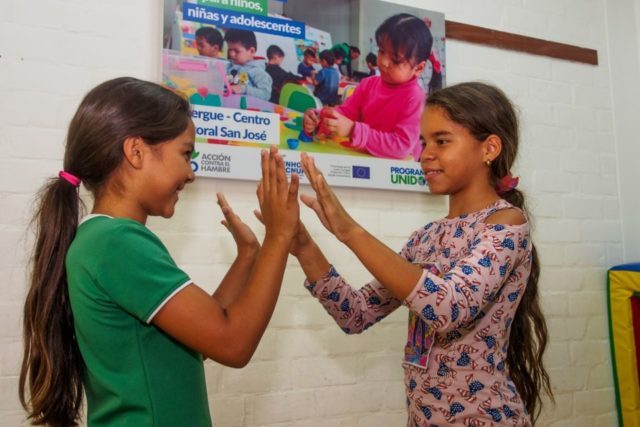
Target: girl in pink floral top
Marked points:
476	332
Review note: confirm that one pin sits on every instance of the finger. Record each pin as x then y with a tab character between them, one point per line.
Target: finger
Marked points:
258	215
324	192
304	162
281	175
331	123
273	180
309	168
260	193
292	197
316	206
222	201
314	170
265	170
226	224
333	113
307	200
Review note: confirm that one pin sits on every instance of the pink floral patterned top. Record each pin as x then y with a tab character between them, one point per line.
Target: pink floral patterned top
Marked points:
460	315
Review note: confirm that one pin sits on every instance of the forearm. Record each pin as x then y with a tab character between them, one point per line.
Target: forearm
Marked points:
395	144
251	311
312	261
394	272
353	310
236	278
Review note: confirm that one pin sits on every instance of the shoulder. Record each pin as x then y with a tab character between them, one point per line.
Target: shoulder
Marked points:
416	91
369	81
255	67
421	232
510	216
120	233
108	225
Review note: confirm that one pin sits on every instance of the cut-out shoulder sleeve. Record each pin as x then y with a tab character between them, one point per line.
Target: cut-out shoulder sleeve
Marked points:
511	216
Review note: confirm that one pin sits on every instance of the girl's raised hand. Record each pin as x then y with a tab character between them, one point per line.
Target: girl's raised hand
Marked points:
278	200
300	241
245	239
326	205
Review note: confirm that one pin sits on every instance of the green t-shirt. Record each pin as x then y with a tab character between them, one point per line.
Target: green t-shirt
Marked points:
120	274
344	47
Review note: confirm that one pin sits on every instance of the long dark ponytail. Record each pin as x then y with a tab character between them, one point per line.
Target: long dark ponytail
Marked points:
485	110
52	370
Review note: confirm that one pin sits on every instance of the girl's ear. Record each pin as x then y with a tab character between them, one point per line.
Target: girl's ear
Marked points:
134	151
492	147
419	68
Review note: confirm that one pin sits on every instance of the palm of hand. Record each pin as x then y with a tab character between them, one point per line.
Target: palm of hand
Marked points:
300	240
242	234
340	222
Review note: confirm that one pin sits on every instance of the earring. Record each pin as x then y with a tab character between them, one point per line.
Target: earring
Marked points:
488	163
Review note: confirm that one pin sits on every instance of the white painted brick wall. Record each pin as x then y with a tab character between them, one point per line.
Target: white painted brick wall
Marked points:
306	372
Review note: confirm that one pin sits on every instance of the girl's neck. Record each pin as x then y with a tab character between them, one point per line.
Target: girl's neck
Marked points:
465	202
118	209
397	85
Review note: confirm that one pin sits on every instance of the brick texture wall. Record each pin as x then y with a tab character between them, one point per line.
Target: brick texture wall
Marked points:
306	372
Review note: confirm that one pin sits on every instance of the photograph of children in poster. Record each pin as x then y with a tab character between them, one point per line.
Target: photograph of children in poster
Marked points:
306	76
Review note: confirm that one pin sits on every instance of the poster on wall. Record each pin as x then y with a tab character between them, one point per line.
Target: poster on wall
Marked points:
252	70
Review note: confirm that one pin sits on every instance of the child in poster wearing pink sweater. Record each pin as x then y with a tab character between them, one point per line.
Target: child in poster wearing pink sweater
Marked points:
382	117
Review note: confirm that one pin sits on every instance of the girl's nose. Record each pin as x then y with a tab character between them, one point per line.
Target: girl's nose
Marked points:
427	153
191	176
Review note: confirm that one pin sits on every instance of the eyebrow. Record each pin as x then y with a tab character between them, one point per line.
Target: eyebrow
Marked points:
441	133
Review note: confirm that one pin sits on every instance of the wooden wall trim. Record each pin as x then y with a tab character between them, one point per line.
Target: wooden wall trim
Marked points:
501	39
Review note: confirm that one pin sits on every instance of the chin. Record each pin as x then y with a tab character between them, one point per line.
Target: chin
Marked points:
437	189
167	213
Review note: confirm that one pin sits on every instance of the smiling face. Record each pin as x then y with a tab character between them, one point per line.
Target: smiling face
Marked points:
453	160
167	171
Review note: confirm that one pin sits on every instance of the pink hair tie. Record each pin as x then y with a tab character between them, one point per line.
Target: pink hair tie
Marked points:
506	183
71	179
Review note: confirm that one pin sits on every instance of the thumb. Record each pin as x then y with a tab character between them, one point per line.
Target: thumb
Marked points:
258	215
308	200
315	205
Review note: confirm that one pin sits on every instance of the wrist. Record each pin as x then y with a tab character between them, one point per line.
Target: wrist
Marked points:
249	251
355	234
278	238
350	128
304	249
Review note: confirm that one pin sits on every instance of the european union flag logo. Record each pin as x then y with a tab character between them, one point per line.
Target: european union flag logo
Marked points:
361	172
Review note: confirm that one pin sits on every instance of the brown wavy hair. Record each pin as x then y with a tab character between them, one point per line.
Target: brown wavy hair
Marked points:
485	110
51	377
